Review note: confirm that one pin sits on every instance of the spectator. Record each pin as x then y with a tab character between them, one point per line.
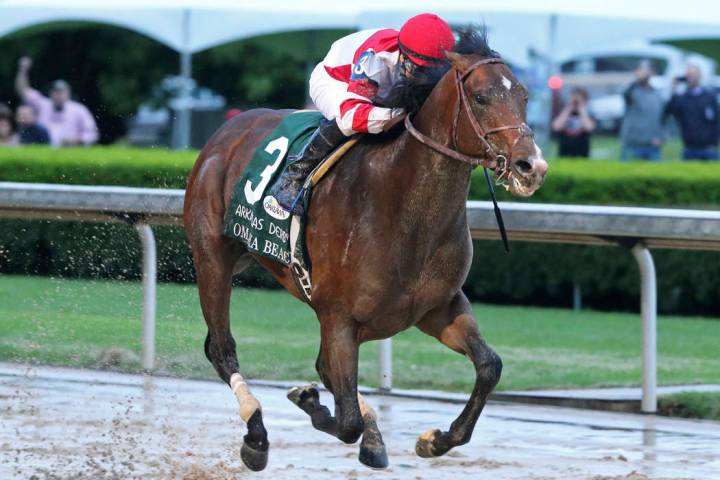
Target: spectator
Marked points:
574	126
641	132
696	112
29	131
8	138
67	121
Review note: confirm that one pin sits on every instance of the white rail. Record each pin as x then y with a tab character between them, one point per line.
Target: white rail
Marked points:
636	228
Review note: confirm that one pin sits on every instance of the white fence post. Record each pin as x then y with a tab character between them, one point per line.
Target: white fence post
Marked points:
385	365
648	311
149	278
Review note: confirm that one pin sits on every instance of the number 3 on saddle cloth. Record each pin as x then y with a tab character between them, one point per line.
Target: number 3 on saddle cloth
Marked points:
256	219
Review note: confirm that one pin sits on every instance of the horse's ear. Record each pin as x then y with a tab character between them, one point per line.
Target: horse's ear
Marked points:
459	62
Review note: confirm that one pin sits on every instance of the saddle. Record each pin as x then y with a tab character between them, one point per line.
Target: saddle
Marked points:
256	219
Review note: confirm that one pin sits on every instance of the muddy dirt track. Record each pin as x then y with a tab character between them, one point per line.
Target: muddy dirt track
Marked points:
74	424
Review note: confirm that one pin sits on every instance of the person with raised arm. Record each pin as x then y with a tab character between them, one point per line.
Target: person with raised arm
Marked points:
69	123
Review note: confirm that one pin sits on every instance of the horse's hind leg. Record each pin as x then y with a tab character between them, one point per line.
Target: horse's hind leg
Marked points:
456	328
216	261
372	448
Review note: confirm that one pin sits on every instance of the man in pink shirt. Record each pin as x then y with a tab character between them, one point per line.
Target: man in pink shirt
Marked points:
69	122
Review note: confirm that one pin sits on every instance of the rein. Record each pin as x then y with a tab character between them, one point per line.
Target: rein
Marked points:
496	160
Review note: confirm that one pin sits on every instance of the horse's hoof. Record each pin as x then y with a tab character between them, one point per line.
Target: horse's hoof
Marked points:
373	456
425	444
298	395
254	459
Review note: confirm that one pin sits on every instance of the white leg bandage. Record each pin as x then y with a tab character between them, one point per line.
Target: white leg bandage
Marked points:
366	410
248	403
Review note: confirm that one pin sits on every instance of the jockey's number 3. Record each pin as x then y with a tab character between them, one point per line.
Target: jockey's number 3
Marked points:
253	194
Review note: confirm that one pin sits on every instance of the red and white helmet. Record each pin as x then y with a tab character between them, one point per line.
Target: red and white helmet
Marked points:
424	39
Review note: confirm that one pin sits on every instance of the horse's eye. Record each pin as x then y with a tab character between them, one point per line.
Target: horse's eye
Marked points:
480	100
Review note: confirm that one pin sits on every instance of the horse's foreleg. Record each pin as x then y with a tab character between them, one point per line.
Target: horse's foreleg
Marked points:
372	447
456	328
337	367
215	266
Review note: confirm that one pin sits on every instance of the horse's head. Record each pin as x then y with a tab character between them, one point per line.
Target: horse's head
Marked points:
491	111
487	122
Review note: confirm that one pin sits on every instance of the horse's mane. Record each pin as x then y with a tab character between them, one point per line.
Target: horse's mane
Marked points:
471	40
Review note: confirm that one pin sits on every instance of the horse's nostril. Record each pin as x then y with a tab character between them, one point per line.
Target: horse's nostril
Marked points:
523	166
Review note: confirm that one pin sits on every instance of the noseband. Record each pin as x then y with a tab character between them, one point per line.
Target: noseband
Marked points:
496	160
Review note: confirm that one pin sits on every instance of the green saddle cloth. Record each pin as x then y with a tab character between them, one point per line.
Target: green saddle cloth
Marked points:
256	219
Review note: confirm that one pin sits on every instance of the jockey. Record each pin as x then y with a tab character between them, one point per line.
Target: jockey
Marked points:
358	88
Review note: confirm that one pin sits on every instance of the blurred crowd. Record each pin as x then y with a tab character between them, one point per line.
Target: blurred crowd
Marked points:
58	120
645	123
55	119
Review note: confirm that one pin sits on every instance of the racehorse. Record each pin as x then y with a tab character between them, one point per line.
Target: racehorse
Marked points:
388	239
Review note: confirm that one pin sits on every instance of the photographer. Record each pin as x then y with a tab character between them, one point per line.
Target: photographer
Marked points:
574	126
696	112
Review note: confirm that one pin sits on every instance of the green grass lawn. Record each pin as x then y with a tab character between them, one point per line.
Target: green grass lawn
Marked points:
75	322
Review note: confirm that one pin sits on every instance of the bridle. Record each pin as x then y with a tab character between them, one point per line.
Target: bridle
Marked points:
495	160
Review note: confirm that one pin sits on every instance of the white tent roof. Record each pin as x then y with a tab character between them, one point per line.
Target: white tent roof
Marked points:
514	25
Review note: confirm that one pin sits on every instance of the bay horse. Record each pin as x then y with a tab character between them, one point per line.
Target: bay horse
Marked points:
388	239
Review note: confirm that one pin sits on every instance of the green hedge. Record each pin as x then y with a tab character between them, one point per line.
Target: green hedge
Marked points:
131	167
608	276
533	273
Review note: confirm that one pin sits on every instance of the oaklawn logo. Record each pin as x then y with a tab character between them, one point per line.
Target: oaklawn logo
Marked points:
273	208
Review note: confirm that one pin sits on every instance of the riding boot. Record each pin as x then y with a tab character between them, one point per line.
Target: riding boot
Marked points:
321	143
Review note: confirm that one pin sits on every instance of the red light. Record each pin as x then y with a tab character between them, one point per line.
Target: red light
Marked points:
555	82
